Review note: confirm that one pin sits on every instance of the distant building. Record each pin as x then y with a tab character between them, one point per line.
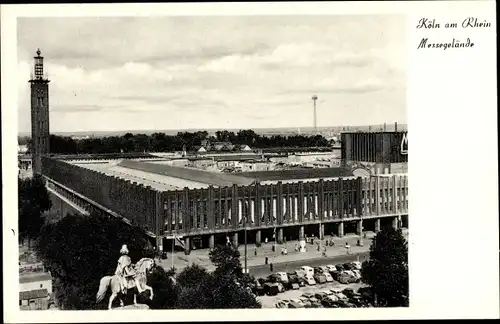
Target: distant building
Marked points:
256	166
35	287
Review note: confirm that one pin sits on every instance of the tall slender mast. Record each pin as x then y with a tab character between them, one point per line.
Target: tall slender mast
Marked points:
314	98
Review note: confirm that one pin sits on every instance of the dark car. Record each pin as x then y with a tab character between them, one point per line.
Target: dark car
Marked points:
359	301
365	292
320	278
348	292
320	295
294	282
271	289
273	278
340	267
349	266
257	288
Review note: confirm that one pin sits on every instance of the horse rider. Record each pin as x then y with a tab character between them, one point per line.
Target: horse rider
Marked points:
124	268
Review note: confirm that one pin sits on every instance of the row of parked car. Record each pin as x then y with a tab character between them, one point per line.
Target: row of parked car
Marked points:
281	281
333	298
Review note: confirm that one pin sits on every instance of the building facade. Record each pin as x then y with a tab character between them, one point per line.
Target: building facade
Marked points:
380	152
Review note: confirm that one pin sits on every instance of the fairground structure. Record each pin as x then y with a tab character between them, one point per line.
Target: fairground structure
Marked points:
173	201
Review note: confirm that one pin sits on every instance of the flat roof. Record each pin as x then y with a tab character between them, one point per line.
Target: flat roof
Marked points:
34	277
163	177
33	294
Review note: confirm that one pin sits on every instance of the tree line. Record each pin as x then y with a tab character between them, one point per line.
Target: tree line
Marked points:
160	142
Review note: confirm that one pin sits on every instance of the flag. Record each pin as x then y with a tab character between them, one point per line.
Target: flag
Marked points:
178	242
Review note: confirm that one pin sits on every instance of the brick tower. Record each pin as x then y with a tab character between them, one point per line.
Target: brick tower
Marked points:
39	114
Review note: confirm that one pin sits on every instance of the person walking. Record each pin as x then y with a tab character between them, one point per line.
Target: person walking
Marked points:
271	266
347	247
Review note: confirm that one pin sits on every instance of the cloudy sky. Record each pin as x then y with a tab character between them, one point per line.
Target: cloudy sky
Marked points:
185	72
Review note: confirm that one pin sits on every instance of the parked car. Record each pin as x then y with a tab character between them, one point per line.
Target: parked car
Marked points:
331	268
271	289
349	292
320	295
300	273
357	274
328	276
344	278
340	267
257	288
273	278
357	265
348	266
283	277
315	303
295	303
324	269
310	281
282	304
327	292
305	301
308	270
340	295
330	304
320	278
293	282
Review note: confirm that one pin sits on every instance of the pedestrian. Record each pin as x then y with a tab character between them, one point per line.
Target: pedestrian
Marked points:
347	247
265	240
285	251
255	251
266	260
271	266
364	235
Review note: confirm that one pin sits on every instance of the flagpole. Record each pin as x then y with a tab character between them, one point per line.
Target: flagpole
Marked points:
173	248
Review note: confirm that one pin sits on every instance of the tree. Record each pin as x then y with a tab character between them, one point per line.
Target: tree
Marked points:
387	269
33	201
80	250
165	291
224	288
191	276
226	258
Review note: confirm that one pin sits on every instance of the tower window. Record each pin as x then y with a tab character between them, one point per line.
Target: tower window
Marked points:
40	102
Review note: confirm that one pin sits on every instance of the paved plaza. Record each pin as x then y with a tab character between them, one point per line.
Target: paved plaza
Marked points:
201	257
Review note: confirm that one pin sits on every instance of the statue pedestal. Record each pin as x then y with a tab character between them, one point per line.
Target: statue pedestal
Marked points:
138	306
302	245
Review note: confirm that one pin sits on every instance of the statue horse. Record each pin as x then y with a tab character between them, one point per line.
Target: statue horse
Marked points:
142	267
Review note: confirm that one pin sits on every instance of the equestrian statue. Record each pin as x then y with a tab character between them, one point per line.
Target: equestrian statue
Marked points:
127	276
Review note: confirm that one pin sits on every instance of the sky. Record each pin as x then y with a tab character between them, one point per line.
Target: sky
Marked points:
196	72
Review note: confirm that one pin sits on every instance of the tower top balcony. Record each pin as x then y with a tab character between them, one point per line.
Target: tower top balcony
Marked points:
38	75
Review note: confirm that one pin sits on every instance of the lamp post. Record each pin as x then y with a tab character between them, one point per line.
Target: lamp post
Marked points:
246	268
